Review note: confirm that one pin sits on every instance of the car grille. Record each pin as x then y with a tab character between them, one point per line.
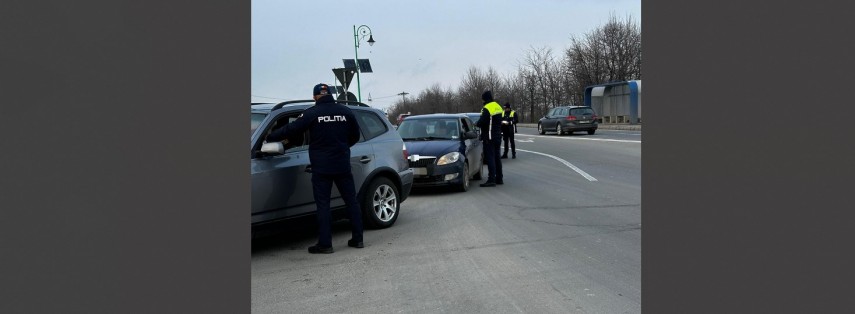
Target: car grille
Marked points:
423	162
431	179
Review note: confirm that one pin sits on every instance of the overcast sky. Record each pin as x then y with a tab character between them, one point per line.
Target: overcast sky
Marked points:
296	44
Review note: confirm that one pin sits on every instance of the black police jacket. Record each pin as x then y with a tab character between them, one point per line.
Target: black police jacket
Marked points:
512	121
332	131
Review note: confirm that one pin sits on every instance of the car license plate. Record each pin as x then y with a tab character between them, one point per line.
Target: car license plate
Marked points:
584	121
420	171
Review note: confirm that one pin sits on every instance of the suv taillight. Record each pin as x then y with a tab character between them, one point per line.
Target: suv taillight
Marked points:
406	155
594	117
571	118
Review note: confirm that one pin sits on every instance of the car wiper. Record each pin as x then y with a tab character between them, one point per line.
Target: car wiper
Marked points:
425	138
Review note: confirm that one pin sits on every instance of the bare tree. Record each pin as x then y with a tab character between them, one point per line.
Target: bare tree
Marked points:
544	72
611	52
471	87
530	92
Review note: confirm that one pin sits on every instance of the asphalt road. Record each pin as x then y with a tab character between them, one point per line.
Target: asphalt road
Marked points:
562	235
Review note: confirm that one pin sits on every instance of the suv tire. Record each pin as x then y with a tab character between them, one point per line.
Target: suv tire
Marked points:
591	131
540	129
380	205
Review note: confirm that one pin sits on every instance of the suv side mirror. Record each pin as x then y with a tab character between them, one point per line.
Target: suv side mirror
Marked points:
470	135
274	148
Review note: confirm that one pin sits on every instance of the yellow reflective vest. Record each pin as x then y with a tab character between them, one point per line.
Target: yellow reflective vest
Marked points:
495	125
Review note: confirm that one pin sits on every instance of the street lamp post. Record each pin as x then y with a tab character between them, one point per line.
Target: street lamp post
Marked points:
363	30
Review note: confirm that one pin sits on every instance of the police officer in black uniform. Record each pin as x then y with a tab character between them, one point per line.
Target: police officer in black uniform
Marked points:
333	130
509	127
490	123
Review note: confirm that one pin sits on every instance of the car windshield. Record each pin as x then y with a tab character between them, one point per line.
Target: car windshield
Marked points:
257	118
474	117
429	129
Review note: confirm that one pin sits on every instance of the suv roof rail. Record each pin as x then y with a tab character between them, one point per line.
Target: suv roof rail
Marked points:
346	102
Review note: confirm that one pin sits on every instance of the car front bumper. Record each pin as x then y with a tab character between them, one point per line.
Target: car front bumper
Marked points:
434	175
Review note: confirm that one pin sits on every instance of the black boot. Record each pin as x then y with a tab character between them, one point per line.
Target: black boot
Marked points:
356	244
317	249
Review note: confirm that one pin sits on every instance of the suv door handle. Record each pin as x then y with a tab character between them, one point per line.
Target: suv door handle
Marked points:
365	159
309	169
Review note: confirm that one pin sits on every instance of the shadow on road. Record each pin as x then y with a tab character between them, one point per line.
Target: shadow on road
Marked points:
297	234
436	190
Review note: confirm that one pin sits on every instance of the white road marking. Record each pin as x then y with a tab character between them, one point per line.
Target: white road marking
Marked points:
566	163
525	141
585	139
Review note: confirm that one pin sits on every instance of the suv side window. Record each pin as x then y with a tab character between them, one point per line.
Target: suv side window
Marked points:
551	112
370	124
297	142
257	118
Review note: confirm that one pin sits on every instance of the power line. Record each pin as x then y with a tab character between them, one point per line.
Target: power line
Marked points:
267	97
396	95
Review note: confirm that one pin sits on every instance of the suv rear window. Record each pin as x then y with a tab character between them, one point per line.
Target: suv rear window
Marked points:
370	124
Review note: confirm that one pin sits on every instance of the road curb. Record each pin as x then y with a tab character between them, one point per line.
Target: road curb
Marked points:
626	127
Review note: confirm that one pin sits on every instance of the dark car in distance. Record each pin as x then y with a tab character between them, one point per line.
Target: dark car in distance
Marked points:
568	119
443	150
281	173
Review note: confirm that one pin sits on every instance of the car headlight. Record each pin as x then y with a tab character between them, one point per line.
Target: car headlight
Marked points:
449	158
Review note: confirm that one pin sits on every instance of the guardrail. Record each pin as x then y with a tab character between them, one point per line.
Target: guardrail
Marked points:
602	126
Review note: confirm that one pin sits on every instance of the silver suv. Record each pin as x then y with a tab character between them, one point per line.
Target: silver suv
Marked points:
281	175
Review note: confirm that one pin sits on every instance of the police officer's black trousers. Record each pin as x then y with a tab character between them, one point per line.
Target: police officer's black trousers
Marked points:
492	149
322	187
509	136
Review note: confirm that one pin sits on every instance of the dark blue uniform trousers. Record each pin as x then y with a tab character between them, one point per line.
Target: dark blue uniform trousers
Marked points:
492	151
322	188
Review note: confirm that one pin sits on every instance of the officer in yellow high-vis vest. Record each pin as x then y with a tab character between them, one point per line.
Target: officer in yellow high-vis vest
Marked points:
491	135
509	127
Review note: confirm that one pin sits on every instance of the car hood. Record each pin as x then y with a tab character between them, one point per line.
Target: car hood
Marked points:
432	148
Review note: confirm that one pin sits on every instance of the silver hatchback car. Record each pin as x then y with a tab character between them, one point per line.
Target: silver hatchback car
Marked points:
281	175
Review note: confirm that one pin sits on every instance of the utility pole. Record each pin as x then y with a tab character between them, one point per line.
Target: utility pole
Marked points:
403	96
